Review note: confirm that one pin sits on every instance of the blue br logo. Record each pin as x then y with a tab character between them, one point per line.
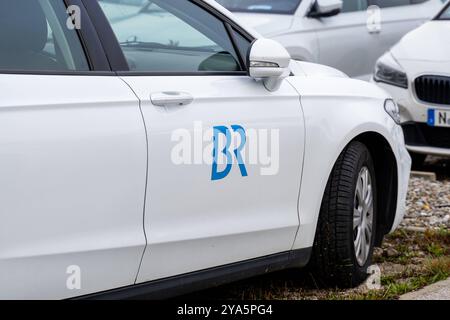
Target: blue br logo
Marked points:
225	131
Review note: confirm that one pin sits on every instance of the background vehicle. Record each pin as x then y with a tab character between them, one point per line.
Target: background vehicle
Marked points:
91	200
416	71
349	41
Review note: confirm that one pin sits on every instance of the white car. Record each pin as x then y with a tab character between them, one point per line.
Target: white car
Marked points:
341	34
133	167
416	72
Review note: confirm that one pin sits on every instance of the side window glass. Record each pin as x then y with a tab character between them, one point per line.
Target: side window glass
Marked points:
170	36
445	15
34	37
354	5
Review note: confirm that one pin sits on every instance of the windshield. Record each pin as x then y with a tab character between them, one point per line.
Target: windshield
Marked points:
445	15
264	6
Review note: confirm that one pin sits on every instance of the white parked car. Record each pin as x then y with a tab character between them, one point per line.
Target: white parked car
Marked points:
341	34
132	166
416	72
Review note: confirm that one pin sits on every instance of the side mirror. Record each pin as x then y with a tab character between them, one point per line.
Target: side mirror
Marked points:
326	8
269	61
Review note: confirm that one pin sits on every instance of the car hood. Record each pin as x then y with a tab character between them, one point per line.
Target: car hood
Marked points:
266	24
308	69
429	42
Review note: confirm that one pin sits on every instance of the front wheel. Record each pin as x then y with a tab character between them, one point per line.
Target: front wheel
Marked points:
345	233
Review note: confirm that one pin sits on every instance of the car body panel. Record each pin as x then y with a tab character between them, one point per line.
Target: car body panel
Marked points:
425	44
68	194
229	220
398	21
324	99
342	36
266	23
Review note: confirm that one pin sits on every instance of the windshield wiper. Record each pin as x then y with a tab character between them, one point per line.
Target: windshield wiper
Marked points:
156	45
145	45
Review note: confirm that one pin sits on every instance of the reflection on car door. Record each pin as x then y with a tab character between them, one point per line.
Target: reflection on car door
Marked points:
199	215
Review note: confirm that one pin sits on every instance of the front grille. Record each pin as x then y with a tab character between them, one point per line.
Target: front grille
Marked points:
433	89
420	134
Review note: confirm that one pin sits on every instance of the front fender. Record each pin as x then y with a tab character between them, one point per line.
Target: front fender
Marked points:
336	111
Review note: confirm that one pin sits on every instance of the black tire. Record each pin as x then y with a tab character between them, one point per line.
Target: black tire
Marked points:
334	261
418	160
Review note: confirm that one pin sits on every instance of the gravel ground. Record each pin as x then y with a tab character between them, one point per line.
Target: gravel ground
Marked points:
428	204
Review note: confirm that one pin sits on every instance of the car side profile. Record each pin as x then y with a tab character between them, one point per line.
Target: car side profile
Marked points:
349	35
416	72
152	163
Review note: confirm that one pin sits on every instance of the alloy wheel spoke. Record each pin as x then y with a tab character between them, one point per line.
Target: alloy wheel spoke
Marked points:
359	190
363	216
368	201
369	227
365	178
356	218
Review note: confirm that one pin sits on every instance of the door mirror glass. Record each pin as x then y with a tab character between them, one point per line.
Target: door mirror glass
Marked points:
326	8
269	61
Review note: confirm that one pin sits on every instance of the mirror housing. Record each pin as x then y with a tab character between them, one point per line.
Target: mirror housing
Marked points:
268	60
326	8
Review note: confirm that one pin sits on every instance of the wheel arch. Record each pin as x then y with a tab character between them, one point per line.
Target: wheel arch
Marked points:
334	117
386	175
386	170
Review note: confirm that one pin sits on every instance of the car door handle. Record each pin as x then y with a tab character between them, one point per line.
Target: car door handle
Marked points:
374	29
171	99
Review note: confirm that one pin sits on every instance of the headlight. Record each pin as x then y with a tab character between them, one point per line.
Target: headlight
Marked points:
387	70
392	109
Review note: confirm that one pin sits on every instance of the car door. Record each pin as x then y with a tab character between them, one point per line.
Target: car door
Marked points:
398	17
199	104
344	40
72	160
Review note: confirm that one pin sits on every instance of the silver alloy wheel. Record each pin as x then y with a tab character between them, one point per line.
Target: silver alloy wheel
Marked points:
363	216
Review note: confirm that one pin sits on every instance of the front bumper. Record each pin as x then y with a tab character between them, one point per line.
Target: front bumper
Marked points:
419	136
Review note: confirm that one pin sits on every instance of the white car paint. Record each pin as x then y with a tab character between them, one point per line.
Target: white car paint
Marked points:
230	216
87	179
420	52
343	41
72	186
328	132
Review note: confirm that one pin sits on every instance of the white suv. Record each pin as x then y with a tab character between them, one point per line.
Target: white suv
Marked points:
338	34
416	71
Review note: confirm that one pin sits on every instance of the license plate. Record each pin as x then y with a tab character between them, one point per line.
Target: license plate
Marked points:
439	118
